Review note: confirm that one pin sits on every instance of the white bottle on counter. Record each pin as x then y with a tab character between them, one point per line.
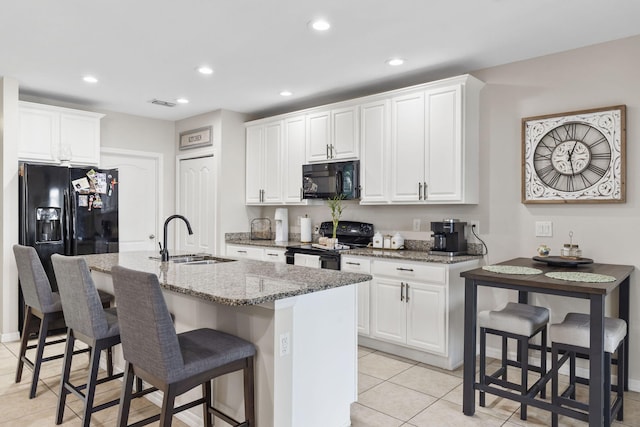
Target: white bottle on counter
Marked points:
397	241
377	240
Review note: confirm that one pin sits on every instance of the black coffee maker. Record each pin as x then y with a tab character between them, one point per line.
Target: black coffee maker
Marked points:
448	238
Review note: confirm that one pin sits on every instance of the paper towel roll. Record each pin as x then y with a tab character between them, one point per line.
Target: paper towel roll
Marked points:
305	230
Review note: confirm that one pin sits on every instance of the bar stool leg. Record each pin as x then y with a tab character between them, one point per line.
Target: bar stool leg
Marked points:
208	403
91	385
524	377
483	363
607	389
42	336
125	395
554	384
24	342
66	372
249	402
504	358
166	414
543	361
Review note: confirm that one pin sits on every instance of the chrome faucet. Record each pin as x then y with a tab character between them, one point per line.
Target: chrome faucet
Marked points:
164	252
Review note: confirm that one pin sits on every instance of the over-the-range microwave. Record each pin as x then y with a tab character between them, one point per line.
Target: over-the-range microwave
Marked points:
328	180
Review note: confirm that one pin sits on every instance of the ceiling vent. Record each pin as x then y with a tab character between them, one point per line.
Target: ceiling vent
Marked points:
163	103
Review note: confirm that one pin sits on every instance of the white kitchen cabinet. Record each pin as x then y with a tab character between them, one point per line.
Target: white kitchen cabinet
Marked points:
434	143
52	134
360	265
257	253
374	137
294	158
333	135
264	164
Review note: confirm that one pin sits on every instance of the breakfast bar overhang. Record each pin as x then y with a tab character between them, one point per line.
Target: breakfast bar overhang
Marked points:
301	320
596	293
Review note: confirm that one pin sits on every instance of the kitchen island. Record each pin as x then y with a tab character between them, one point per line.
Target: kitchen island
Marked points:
302	321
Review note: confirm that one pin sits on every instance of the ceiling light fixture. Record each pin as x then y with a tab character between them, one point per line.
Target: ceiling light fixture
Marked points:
182	101
205	70
286	93
320	25
90	79
394	62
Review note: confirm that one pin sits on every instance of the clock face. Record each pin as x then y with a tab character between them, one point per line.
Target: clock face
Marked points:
576	157
572	157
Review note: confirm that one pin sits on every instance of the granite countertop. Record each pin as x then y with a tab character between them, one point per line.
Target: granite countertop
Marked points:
237	283
400	254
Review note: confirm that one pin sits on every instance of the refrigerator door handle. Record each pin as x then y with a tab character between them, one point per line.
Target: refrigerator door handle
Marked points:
69	226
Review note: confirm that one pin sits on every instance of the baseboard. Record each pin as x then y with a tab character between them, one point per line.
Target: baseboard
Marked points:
10	337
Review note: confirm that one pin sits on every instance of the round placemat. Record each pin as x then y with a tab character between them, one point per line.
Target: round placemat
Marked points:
511	269
574	276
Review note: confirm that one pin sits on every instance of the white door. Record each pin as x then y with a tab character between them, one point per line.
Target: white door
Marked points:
374	130
139	189
344	134
388	317
197	204
294	149
426	316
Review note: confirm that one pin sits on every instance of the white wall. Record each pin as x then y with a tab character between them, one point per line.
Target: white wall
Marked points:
596	76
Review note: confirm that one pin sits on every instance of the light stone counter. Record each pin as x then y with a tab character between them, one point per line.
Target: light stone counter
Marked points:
235	283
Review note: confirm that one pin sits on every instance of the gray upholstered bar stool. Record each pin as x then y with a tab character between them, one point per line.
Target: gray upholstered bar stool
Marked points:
89	322
520	322
174	363
43	304
572	337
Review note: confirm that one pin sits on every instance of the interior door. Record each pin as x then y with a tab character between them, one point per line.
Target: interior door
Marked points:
197	204
139	189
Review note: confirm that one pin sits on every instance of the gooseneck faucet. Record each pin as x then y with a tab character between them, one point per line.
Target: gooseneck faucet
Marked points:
164	252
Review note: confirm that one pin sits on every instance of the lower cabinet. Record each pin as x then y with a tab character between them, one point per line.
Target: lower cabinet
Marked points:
360	265
415	309
257	253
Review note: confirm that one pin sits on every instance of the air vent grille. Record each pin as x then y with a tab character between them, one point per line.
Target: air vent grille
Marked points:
163	103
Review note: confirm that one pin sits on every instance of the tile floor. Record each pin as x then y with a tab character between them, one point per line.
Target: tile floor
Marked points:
393	392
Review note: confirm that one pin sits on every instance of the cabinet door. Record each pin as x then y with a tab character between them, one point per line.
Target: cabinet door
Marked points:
318	133
344	142
80	134
374	130
426	317
247	252
275	255
444	144
360	265
254	164
407	147
272	175
39	135
388	311
294	148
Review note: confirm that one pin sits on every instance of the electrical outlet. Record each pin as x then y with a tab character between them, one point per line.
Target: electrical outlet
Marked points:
285	344
416	224
475	225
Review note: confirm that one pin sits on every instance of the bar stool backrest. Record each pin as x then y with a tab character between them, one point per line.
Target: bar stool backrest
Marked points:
81	303
149	339
36	288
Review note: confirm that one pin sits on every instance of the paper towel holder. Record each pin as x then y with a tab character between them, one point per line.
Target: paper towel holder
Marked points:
305	229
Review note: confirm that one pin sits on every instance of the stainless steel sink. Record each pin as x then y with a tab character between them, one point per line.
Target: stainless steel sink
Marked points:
195	259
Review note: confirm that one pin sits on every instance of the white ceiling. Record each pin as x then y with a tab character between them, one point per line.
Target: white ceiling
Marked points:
145	49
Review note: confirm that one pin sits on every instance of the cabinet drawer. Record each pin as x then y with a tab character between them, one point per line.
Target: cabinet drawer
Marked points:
356	265
274	255
417	271
247	252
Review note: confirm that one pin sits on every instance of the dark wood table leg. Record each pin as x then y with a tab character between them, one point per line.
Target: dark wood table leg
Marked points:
469	370
596	361
623	313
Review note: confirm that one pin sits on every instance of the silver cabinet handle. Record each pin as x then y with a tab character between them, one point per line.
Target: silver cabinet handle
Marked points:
401	291
332	155
404	269
152	236
242	252
419	191
301	195
272	254
406	298
424	188
352	263
328	157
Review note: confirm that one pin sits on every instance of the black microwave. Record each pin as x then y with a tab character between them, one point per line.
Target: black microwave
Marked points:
328	180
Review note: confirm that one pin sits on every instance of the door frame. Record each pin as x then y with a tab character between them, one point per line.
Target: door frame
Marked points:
159	160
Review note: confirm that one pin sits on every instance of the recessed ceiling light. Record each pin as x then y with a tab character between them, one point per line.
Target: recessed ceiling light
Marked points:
286	93
90	79
182	101
394	62
320	25
205	70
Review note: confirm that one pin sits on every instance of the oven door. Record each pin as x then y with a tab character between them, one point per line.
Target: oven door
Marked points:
304	260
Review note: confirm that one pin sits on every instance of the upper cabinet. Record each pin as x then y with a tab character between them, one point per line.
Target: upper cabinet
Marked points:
51	134
333	135
294	158
264	162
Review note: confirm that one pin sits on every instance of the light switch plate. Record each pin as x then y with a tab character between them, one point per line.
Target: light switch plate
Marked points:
544	229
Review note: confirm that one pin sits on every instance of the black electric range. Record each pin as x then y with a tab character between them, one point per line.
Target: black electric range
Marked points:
350	234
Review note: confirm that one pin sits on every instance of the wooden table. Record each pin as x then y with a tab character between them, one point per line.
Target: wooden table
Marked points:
539	283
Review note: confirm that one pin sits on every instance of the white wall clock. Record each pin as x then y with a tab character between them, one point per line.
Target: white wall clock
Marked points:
575	157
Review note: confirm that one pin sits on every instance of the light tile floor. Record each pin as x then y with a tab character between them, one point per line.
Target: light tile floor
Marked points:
393	392
396	392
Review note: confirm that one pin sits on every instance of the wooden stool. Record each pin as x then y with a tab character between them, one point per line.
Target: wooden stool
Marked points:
572	337
520	322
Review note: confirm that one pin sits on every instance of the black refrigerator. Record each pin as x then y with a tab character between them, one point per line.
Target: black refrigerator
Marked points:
68	211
